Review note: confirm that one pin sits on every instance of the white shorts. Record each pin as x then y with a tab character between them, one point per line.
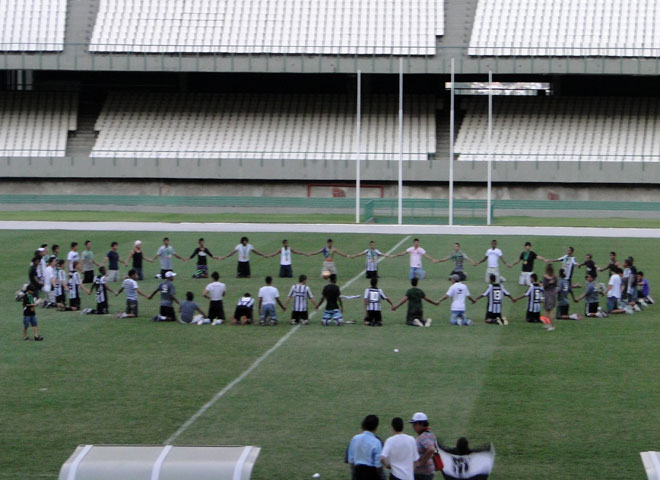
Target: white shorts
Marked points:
524	278
329	267
492	270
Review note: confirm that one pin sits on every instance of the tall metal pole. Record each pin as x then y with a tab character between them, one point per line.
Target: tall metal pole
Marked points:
490	145
400	208
451	149
358	147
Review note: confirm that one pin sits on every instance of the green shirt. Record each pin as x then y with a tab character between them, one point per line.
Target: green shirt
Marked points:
415	296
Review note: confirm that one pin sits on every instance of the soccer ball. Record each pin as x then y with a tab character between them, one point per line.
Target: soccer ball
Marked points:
326	274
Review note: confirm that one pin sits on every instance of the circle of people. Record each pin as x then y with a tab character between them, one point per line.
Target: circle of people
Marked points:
627	289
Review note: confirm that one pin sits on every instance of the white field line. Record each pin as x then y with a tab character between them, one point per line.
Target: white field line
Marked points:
254	365
335	228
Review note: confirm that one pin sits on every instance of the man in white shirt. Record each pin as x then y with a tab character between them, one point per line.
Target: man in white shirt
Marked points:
400	453
215	292
614	292
568	264
493	255
458	293
244	248
50	281
268	295
416	253
72	256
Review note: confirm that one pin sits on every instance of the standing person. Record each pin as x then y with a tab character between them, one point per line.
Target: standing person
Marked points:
614	263
61	285
591	266
167	299
55	251
187	309
334	308
102	288
165	253
372	254
268	295
132	289
42	253
328	252
493	256
112	258
458	293
534	296
568	264
72	256
33	276
550	287
215	292
244	311
244	248
137	256
285	252
300	293
372	307
629	283
30	315
527	257
365	450
202	253
614	292
591	298
400	453
49	281
495	292
458	257
426	447
88	263
563	291
416	253
414	297
75	285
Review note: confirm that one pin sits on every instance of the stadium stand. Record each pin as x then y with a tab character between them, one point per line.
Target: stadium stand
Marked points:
32	25
619	28
36	124
338	27
562	129
314	127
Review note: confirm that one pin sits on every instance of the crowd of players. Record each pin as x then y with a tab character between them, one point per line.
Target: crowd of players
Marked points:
56	278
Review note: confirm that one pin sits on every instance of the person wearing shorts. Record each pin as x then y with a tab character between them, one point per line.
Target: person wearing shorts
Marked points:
285	252
563	303
300	293
372	255
493	256
527	257
75	285
590	296
329	252
334	307
534	296
30	315
88	263
168	298
244	311
372	304
102	288
244	248
130	286
112	257
268	296
215	292
60	284
164	254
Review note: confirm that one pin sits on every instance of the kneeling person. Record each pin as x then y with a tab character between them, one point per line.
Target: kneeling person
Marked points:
132	289
372	298
244	312
268	295
100	284
414	297
167	297
494	293
300	293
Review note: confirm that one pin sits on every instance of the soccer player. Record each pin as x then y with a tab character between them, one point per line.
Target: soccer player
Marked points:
187	309
334	308
458	293
132	289
285	252
494	293
102	288
329	252
61	285
414	297
215	292
165	253
614	292
372	254
30	315
590	265
416	253
612	265
591	298
268	295
534	296
527	258
72	256
88	263
112	258
568	264
244	311
458	257
562	297
493	256
167	298
372	307
244	248
75	285
202	253
300	293
137	256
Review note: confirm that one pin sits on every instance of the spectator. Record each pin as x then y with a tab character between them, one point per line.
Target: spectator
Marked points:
426	447
29	314
400	453
414	297
365	450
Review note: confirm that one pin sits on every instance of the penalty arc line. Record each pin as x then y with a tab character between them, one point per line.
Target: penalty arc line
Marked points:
204	408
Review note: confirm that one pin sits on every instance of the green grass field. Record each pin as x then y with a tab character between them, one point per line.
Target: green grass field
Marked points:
579	402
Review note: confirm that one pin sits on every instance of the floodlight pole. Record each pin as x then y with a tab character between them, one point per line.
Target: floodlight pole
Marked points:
358	147
490	146
451	149
400	206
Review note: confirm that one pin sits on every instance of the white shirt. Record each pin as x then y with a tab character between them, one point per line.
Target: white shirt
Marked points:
458	293
49	273
268	295
416	256
130	286
244	252
615	291
285	256
400	451
72	257
216	291
493	257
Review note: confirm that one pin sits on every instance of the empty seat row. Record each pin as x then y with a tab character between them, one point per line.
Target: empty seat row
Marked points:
32	25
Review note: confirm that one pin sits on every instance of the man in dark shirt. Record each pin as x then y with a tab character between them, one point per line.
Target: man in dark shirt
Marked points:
112	257
527	258
33	276
414	297
334	308
202	253
592	268
29	314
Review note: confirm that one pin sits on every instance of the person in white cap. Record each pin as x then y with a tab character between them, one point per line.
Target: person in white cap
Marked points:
400	453
137	256
426	447
167	299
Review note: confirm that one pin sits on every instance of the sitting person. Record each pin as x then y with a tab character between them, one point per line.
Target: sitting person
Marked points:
643	292
187	310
